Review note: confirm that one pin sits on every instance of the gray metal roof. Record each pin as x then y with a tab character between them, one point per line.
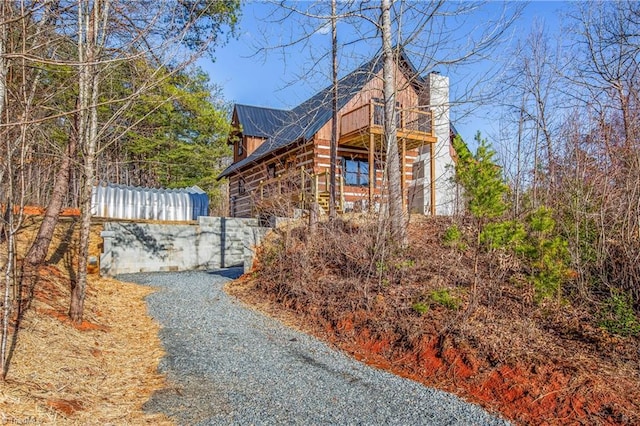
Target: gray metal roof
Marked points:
260	121
283	128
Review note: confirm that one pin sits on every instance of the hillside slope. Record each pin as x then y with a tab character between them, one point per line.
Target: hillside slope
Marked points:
415	313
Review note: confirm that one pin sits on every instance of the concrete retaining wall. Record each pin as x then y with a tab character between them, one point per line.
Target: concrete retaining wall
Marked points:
212	243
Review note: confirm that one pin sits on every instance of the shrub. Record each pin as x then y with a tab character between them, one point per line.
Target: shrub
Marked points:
443	297
453	238
548	253
481	179
617	315
545	253
420	307
507	235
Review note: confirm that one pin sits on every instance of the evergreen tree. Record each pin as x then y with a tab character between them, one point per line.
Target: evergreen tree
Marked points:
179	139
484	187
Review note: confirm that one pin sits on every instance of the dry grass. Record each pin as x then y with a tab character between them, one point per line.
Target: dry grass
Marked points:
100	372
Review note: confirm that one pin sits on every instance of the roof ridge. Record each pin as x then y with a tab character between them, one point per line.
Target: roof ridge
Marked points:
262	107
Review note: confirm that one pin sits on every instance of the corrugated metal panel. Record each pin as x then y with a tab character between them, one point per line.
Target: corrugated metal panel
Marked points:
131	202
200	201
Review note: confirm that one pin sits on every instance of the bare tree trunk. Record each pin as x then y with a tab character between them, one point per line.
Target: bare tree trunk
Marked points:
4	18
5	229
38	251
90	38
313	217
518	177
18	148
334	125
396	211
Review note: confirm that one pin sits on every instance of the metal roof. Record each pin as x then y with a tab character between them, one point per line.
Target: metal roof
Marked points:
283	128
260	121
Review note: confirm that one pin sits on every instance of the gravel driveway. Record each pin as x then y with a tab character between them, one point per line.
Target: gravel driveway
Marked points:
230	365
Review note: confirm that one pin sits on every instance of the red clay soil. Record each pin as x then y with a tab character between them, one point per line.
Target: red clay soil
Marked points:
544	396
63	317
39	211
532	364
66	407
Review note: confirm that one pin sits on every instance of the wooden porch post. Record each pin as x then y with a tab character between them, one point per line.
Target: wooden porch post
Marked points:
341	194
432	170
372	170
403	183
372	165
302	188
316	195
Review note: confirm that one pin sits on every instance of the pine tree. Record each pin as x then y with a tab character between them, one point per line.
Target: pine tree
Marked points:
484	187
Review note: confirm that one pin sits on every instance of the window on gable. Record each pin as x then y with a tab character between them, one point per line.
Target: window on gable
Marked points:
240	147
355	172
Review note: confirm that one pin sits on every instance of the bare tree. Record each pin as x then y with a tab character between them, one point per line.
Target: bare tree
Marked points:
607	86
334	113
533	119
93	17
6	231
72	35
17	20
396	210
578	113
428	32
95	26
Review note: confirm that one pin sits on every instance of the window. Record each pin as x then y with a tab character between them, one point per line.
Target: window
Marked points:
241	188
418	170
290	163
271	170
355	172
240	147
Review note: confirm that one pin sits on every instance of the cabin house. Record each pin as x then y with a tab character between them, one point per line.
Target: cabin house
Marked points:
281	158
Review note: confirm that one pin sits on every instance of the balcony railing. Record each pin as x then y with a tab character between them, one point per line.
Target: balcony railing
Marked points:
371	115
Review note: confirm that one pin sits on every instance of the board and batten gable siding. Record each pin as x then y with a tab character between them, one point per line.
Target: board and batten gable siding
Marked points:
407	97
251	143
247	143
243	203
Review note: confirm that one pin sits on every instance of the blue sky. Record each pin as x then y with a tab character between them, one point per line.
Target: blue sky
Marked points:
284	80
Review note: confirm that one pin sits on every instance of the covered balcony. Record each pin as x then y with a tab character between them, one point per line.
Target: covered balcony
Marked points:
364	127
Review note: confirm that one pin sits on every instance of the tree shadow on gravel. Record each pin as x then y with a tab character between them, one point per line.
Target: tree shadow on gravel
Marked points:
190	401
